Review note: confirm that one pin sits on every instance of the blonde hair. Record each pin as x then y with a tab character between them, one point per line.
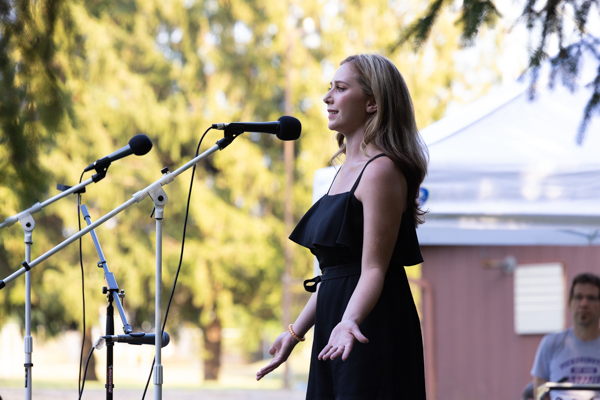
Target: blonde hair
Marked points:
392	128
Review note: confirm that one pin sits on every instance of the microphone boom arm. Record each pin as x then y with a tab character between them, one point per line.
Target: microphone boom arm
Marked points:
137	197
37	207
159	197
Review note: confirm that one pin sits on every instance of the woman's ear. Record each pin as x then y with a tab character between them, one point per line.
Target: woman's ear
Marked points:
371	106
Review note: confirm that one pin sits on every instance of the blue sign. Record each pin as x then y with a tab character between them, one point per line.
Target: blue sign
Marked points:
423	196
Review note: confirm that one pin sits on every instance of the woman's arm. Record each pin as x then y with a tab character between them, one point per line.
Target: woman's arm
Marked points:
285	342
382	191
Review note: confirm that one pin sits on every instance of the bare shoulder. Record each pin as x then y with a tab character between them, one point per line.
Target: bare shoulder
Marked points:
382	177
383	171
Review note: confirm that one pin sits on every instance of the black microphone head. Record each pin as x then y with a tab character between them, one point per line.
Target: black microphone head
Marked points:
289	128
140	144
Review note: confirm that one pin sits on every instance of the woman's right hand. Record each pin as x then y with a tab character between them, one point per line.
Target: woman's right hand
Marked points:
281	349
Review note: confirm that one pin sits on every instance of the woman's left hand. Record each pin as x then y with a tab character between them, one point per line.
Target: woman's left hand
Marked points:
341	341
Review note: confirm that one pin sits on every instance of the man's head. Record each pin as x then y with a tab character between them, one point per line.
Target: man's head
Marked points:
584	300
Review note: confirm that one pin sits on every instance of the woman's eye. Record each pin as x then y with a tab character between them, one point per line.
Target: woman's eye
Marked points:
339	88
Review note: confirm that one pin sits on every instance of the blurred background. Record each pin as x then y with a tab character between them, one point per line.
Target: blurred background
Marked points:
79	78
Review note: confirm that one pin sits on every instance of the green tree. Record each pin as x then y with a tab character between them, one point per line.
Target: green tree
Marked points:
169	70
34	102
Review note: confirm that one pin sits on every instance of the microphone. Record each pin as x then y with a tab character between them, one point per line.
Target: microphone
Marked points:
138	145
286	128
137	338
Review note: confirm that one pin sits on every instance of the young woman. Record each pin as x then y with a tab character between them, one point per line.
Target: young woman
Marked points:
367	339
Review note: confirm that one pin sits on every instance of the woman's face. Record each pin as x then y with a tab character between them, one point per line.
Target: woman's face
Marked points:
347	106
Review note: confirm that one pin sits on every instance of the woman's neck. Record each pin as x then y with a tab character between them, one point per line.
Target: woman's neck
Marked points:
353	152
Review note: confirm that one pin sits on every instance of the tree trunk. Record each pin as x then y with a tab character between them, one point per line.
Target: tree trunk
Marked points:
87	346
212	350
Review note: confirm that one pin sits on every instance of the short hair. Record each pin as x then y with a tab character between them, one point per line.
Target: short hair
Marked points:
586	277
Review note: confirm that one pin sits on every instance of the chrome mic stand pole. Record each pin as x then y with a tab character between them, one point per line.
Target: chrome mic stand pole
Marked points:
28	224
159	197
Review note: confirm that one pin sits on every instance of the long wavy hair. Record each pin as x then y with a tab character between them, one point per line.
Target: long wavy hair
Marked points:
392	128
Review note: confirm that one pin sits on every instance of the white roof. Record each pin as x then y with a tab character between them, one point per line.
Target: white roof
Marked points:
508	170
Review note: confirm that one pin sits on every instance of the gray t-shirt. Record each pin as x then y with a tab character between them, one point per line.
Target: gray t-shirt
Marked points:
562	355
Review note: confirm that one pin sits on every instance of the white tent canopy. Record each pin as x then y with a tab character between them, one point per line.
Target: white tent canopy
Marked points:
508	171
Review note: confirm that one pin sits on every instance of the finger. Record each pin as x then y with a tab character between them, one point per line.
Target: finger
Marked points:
347	350
268	369
272	350
324	351
358	335
322	354
263	372
276	362
329	353
338	352
331	350
261	375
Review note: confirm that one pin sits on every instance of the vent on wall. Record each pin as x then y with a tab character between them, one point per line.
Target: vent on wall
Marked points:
539	298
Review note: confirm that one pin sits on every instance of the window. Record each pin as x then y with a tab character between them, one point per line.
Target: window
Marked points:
539	291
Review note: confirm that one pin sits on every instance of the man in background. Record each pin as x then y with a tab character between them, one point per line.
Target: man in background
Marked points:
573	355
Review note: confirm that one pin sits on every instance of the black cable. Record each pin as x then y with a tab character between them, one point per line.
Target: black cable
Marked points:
85	372
79	386
187	210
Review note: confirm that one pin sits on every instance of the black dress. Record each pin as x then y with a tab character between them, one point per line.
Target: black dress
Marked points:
391	365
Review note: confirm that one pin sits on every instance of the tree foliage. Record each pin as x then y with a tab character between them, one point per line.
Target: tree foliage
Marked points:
564	21
33	97
101	71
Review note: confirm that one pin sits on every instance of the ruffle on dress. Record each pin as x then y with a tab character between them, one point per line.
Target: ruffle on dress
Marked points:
337	221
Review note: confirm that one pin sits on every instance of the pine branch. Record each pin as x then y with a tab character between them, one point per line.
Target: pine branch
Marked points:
418	32
566	65
591	108
593	105
581	13
474	14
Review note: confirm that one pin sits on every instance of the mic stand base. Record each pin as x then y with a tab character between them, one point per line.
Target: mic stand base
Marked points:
110	330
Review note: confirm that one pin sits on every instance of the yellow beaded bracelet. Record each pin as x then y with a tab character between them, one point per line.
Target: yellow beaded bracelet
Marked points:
298	338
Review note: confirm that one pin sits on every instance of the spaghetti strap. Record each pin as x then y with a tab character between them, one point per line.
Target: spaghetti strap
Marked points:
363	170
333	180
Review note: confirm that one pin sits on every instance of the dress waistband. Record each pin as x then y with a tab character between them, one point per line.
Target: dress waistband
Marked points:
335	272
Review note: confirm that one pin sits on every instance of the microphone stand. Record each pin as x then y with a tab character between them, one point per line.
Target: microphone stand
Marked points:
28	224
112	292
158	195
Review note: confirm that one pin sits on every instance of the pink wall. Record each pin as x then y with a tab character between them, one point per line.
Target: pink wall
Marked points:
478	355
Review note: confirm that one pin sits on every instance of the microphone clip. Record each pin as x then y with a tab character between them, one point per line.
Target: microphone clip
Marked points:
101	166
230	132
